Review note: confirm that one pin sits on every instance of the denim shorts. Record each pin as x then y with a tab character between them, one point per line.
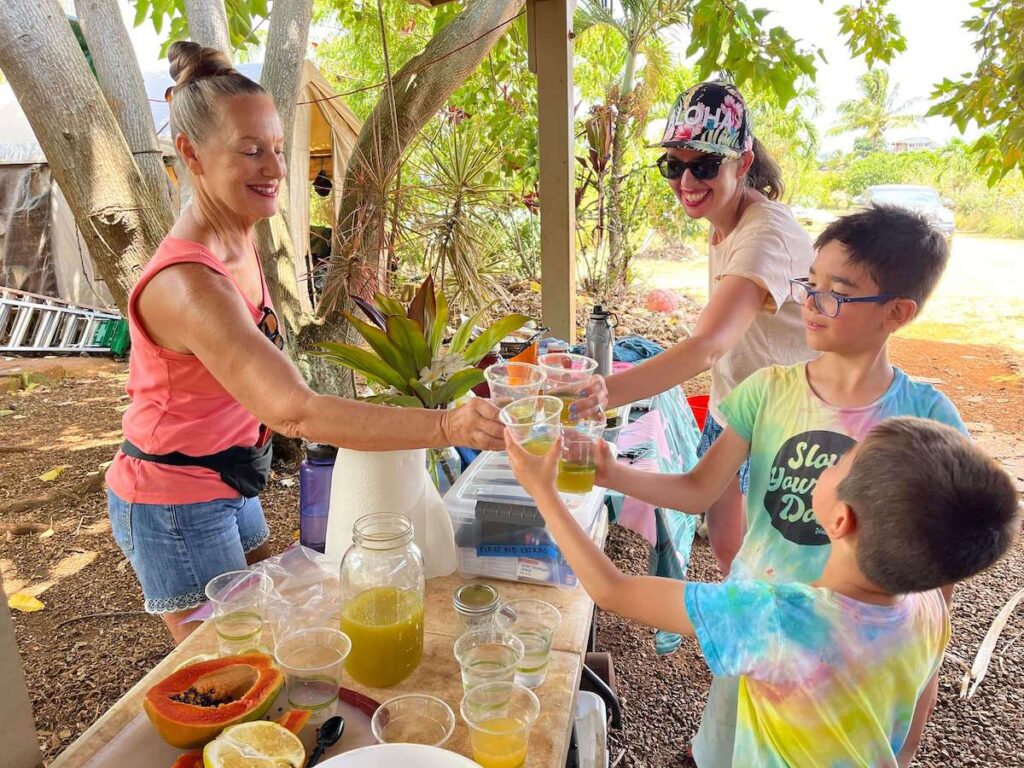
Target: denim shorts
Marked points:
176	549
712	431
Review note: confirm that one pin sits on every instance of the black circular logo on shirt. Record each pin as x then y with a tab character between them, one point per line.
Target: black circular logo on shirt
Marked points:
795	471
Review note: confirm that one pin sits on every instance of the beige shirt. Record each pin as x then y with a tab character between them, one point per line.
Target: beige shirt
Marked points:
767	247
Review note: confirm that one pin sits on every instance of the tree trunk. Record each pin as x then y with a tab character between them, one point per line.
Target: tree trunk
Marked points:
208	24
617	257
282	77
122	85
282	66
88	155
421	88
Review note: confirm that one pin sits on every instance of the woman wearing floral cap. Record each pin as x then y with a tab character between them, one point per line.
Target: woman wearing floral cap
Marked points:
718	171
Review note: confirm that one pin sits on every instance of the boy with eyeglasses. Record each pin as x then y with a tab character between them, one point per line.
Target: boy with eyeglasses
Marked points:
872	272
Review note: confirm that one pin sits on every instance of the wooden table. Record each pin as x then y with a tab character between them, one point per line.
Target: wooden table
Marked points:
123	735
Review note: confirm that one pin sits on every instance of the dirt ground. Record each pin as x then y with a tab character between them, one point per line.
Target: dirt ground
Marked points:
91	642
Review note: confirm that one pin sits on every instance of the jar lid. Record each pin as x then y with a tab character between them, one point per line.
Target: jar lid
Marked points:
321	451
475	599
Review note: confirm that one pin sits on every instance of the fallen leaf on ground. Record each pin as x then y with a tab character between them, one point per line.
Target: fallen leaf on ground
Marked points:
47	533
25	603
1005	378
52	474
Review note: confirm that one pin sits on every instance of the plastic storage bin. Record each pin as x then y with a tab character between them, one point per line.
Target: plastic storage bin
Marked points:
501	535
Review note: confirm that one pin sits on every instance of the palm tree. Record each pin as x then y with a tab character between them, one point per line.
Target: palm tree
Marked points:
876	111
639	23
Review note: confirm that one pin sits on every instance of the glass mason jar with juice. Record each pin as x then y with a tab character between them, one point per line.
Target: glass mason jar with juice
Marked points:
382	589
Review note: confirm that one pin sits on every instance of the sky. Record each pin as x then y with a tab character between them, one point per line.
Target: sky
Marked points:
937	47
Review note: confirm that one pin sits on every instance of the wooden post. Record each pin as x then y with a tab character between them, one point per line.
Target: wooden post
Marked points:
550	34
19	743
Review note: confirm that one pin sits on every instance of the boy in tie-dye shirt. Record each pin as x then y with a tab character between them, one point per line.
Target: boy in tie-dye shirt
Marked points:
872	272
829	673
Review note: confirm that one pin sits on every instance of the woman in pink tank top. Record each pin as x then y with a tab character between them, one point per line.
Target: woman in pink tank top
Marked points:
206	370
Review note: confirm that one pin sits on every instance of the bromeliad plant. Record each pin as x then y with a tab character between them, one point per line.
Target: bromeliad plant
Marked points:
409	358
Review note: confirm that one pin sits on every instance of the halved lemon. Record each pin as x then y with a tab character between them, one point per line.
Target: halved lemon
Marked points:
260	744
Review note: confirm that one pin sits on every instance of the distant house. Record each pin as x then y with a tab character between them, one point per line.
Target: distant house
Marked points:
913	143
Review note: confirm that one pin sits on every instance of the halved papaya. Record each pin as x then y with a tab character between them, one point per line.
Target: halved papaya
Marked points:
195	703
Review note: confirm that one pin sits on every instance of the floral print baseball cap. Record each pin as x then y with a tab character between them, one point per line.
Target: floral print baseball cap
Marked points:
710	117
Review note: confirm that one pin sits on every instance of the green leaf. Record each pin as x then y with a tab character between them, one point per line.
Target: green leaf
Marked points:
401	401
141	7
369	365
461	338
408	337
440	323
424	394
459	384
483	343
388	305
383	346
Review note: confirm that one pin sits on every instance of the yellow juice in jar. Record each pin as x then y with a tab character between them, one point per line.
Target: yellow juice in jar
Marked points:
575	477
385	625
504	747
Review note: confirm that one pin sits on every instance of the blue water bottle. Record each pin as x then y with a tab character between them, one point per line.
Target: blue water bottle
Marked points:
315	494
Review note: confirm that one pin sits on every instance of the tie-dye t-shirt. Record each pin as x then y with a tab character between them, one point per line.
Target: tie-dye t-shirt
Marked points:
794	435
824	680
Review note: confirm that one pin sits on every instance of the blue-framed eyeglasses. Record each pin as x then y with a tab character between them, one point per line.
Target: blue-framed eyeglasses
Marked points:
827	302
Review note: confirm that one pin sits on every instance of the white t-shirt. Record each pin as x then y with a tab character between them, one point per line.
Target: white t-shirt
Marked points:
767	247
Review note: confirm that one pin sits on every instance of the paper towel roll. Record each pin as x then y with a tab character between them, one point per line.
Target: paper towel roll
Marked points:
371	482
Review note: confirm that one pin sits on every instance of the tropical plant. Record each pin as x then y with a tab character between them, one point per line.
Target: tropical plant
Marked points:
877	110
454	211
991	95
639	25
410	360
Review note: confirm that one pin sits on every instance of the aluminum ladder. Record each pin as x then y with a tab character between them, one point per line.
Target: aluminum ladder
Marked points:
33	323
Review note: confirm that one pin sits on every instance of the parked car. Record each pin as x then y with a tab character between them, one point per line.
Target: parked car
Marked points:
923	200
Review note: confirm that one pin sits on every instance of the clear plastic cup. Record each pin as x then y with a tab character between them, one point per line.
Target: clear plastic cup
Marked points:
578	464
513	381
500	717
567	374
488	655
535	422
239	610
534	622
312	661
415	718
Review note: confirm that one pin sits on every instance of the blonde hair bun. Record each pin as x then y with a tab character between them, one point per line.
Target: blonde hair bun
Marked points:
191	61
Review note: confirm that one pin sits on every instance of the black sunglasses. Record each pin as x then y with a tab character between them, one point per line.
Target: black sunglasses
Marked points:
704	169
270	328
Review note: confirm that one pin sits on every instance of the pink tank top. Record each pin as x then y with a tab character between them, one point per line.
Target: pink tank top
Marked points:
177	404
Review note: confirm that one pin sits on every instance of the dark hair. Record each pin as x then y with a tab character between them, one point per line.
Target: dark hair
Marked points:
932	508
203	76
899	249
765	175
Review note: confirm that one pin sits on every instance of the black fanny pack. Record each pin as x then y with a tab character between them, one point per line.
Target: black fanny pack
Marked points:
244	469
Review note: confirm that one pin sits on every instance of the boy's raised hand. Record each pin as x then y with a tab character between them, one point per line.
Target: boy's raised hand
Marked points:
535	473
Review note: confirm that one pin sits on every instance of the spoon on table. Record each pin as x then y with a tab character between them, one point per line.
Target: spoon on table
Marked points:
326	736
